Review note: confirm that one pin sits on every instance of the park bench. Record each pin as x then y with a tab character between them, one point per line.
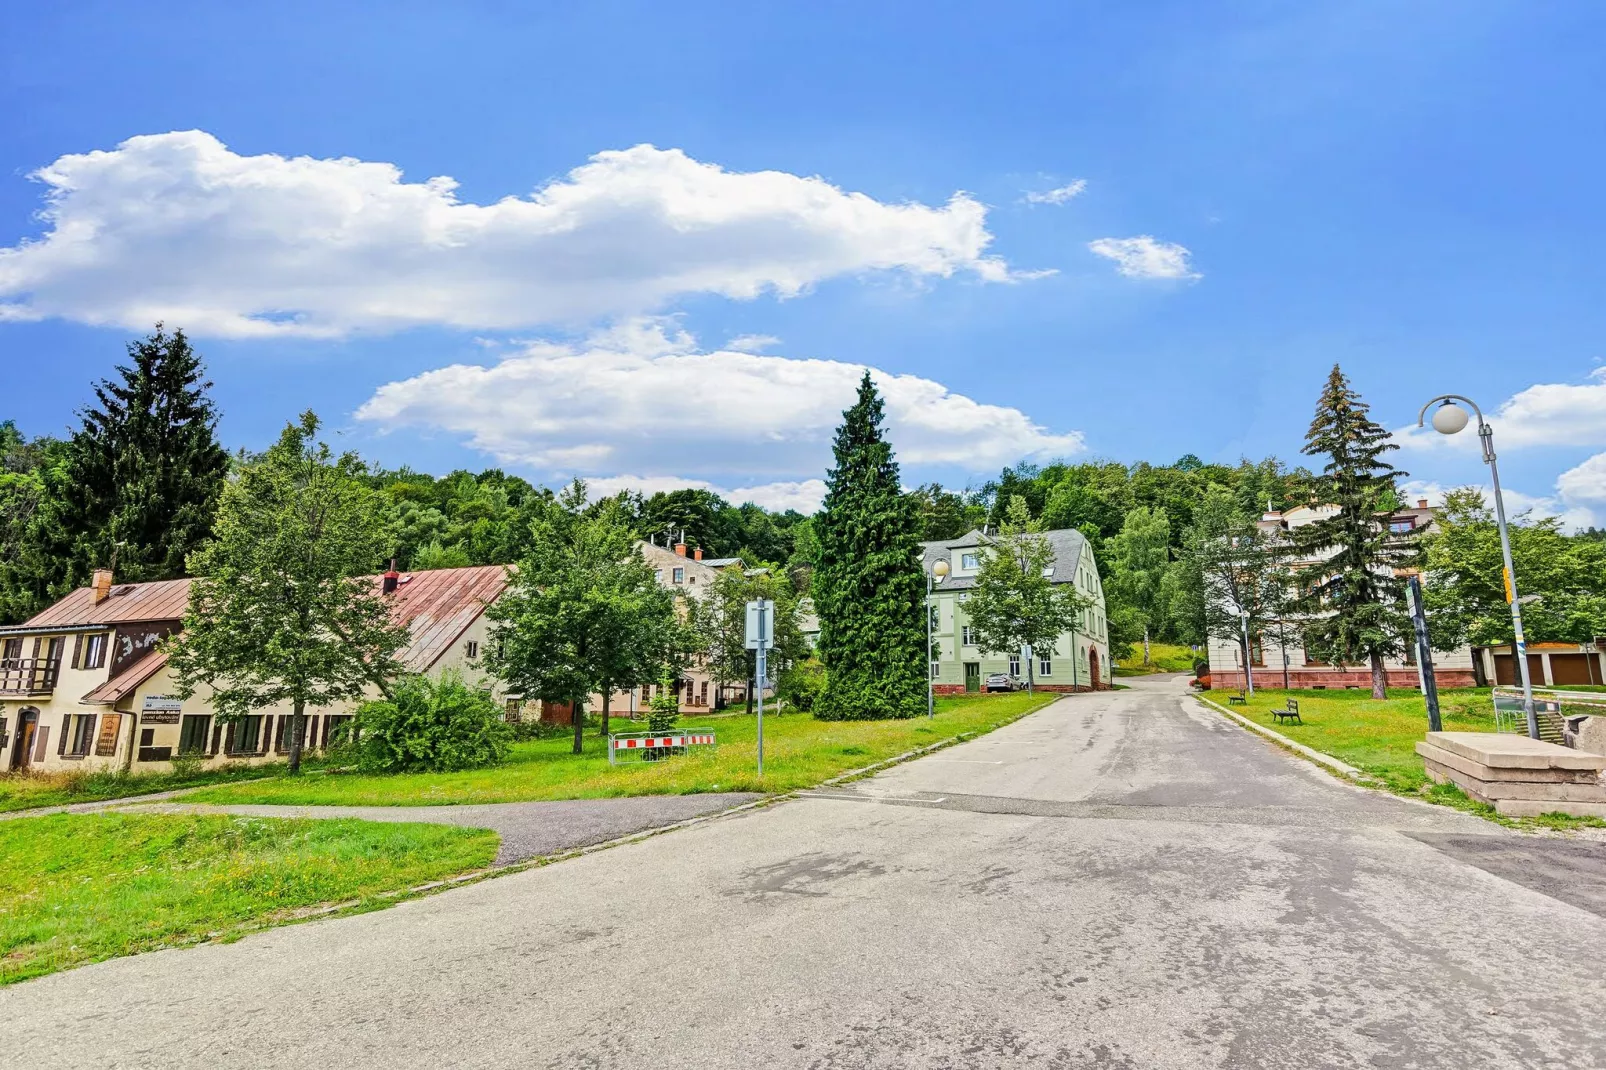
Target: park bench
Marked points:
1240	699
1291	712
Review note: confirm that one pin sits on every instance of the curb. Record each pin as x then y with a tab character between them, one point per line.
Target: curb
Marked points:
1342	768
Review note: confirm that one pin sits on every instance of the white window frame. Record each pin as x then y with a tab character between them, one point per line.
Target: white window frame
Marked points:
936	669
1045	666
1014	665
965	636
970	562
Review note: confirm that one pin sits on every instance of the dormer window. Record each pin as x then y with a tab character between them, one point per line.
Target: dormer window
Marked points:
970	562
1403	525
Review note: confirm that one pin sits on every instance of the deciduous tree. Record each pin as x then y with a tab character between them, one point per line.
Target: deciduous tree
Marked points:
284	607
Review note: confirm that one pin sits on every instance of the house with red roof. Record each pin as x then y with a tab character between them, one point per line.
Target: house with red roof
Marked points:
85	685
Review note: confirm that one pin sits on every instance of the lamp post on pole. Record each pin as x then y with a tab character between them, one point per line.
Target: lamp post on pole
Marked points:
1448	419
939	569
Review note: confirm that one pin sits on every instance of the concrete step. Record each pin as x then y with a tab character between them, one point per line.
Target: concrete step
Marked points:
1496	791
1514	774
1505	751
1528	808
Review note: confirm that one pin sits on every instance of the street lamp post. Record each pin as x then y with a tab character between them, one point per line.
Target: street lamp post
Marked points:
1448	419
940	570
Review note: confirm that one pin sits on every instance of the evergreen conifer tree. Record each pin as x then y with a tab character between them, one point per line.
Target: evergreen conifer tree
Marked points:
140	479
1354	599
867	583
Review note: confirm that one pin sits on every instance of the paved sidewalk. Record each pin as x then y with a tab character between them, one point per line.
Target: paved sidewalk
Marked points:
528	829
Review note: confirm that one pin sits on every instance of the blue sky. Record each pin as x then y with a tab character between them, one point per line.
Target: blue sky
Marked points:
1412	191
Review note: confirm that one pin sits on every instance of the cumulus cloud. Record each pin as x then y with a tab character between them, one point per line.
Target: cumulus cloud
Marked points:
1573	512
645	398
1585	483
1545	414
1144	257
176	226
1058	195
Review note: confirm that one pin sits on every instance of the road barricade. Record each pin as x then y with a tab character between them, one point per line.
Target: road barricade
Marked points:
650	747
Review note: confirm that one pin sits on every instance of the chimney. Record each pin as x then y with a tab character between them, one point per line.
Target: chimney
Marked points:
680	548
392	578
1421	503
102	583
697	554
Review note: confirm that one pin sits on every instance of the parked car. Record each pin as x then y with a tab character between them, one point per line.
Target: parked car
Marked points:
1002	681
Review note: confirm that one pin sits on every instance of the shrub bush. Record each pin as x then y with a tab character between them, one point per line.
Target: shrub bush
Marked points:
801	685
428	726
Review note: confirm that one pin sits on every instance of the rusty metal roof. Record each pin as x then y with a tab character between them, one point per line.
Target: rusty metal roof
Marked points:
128	602
118	687
436	607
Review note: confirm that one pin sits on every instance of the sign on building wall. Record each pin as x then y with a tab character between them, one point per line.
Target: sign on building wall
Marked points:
160	709
106	745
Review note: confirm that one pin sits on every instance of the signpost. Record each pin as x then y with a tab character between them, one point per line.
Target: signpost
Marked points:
1424	655
760	637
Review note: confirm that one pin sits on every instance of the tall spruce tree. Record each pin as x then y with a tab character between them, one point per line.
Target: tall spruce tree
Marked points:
140	480
1354	598
867	583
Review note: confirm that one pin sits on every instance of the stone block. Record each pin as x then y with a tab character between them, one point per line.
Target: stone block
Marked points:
1508	751
1529	808
1483	772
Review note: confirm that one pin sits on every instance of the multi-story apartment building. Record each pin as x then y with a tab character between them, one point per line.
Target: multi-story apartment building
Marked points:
1277	655
84	684
1079	660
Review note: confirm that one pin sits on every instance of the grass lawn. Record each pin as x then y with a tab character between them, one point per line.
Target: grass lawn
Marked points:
78	888
1380	737
23	791
799	752
1163	657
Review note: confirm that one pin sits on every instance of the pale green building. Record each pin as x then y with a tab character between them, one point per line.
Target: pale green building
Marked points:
1080	658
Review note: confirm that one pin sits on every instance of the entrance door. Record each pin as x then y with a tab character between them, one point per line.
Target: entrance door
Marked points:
1093	666
22	750
972	676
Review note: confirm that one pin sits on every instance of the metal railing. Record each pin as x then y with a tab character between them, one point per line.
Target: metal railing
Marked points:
1552	708
29	676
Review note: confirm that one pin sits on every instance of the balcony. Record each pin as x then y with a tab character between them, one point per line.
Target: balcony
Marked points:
29	676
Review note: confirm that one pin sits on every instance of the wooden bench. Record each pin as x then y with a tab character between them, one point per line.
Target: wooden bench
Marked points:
1291	713
1240	699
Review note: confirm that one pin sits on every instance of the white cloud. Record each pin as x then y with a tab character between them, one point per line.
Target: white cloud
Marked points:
1569	509
176	226
1059	195
803	495
1144	257
752	343
643	398
1585	483
1545	414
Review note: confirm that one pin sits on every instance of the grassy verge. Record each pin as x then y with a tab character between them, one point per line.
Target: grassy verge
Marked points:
1379	737
1163	657
27	791
78	888
799	752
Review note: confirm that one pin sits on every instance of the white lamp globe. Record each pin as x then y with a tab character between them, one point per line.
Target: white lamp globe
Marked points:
1449	418
940	569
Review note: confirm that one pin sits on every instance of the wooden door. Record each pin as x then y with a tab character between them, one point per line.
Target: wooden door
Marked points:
22	750
972	676
1093	665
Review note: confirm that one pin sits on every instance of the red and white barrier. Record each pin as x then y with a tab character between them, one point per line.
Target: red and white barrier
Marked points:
624	744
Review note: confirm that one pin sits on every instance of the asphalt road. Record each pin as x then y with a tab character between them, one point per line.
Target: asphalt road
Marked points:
1122	880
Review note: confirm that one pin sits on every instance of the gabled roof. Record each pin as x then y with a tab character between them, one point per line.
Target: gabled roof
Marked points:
1067	544
436	607
129	602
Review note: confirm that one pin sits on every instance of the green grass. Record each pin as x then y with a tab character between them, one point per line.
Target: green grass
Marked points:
799	752
1379	737
26	791
1163	657
78	888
